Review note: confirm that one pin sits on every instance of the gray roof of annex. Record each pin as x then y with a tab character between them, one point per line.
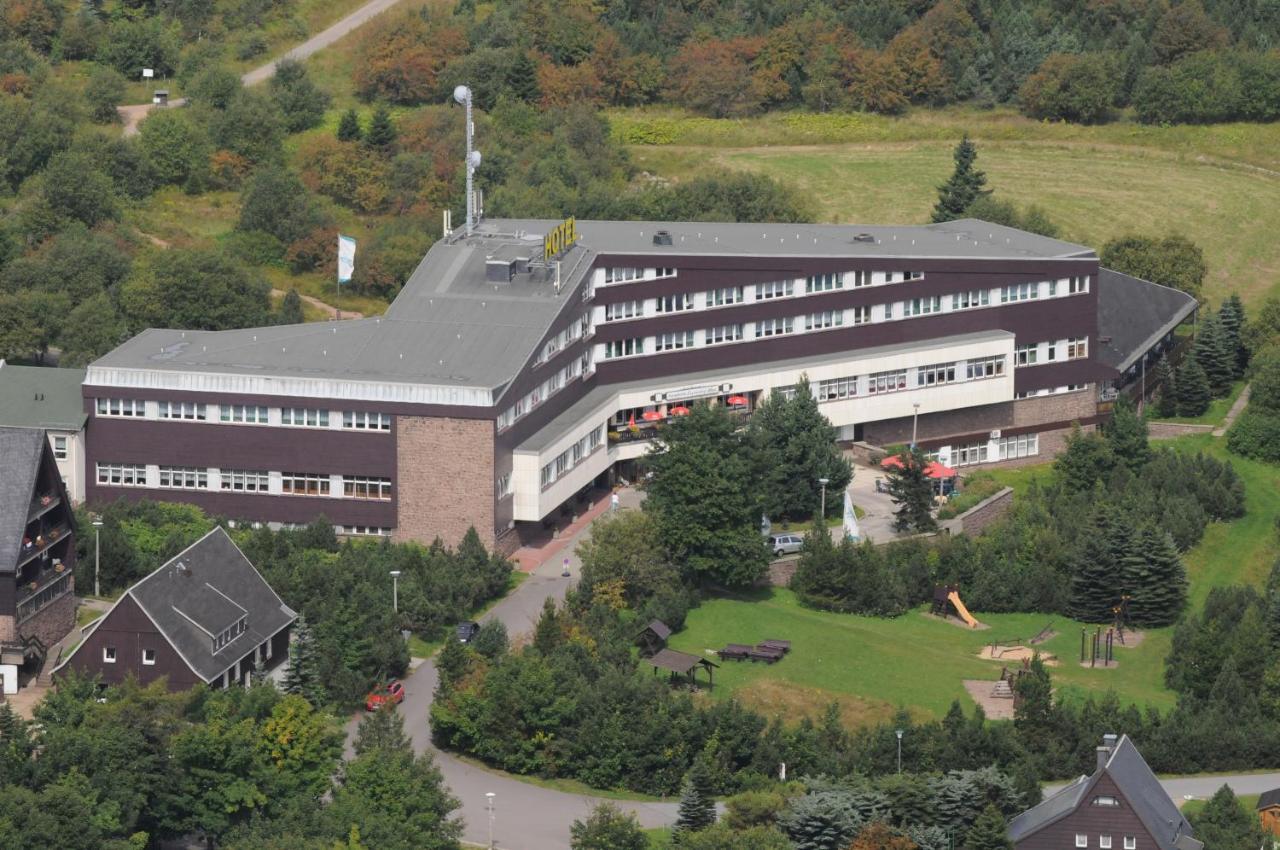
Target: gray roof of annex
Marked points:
451	327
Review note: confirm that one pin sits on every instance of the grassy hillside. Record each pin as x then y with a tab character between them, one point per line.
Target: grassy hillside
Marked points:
1218	185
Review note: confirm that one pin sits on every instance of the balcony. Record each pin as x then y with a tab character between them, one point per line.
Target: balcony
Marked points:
42	506
43	540
47	587
632	435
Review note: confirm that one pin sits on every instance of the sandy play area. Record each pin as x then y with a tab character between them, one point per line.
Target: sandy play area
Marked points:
1011	654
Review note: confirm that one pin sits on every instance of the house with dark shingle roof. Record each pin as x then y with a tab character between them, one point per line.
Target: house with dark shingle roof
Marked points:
1269	811
1121	806
37	553
207	617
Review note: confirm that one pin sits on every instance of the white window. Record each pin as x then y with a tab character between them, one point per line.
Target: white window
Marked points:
664	273
1053	288
986	367
861	278
724	333
776	289
109	655
888	311
1019	292
1026	355
913	275
1077	347
59	447
673	341
149	657
724	296
244	481
122	474
351	531
674	303
181	410
971	299
622	275
623	310
923	306
363	487
304	484
861	315
837	388
304	417
970	454
122	407
184	477
824	282
887	382
1130	842
825	319
1026	445
940	373
595	438
250	414
1104	842
774	327
364	421
1050	351
1082	840
1075	285
623	347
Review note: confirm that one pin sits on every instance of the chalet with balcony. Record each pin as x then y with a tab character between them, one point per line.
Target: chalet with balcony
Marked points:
37	553
1120	806
206	617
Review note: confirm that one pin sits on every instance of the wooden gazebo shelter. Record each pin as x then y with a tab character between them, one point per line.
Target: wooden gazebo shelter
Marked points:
683	664
653	638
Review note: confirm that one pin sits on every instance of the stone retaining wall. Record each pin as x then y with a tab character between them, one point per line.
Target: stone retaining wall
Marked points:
1169	430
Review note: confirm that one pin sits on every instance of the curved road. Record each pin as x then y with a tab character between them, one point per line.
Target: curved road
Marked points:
133	115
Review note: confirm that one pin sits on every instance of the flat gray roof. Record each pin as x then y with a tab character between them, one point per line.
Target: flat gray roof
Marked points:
576	412
41	397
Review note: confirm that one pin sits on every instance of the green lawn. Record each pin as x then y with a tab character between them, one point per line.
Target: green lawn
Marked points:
1094	182
914	661
659	838
1191	807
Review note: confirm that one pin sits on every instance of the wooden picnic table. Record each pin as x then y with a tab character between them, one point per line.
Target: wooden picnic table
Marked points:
784	645
735	652
766	654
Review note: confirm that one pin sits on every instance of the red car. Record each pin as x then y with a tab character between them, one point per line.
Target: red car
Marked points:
392	692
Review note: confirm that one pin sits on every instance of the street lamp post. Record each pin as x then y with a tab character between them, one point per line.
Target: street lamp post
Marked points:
824	482
97	556
915	415
395	591
489	795
899	734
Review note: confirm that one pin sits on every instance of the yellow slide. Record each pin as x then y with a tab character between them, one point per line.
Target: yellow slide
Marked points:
954	599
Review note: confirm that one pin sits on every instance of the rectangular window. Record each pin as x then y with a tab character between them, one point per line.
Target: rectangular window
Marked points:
1082	840
1130	842
674	303
1077	347
941	373
1104	842
109	655
861	315
913	275
361	487
774	327
1078	284
888	311
623	310
244	481
1053	288
149	657
122	407
181	410
1026	355
971	299
673	341
837	388
861	278
1019	292
887	382
724	333
304	484
970	454
986	367
664	272
503	485
776	289
1022	445
622	275
304	417
184	477
825	319
724	296
623	347
363	421
595	438
59	447
923	306
824	282
122	474
354	531
1050	351
249	414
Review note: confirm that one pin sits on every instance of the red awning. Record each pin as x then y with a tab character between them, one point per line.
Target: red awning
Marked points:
651	416
932	469
737	400
679	410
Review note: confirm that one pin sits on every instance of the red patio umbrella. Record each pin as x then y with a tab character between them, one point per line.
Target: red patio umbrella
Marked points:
891	462
937	470
679	410
651	416
737	400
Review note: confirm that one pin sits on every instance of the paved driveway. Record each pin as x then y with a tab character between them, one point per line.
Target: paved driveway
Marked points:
877	523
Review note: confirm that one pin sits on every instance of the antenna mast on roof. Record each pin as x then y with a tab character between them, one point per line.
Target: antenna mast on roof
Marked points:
462	95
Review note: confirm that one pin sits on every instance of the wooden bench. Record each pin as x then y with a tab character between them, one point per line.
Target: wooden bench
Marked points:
782	645
765	654
735	652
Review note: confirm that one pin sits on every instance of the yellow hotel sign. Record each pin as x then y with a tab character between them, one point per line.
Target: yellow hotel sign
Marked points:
561	237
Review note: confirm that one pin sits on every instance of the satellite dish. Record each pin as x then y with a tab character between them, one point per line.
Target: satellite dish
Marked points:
462	94
474	159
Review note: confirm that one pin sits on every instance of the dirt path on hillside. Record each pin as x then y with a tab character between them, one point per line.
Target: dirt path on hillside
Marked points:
329	310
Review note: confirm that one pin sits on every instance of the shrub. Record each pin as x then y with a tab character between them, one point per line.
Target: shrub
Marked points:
1256	434
1067	87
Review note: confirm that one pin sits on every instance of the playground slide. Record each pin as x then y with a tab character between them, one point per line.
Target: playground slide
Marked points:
954	599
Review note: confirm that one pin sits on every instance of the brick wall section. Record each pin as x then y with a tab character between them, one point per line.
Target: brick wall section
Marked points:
8	631
990	509
444	474
55	621
1169	430
1023	413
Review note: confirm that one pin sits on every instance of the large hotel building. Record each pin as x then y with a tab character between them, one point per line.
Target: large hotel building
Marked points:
505	379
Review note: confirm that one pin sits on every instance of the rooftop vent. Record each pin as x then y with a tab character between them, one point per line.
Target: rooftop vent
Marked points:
863	237
662	237
499	271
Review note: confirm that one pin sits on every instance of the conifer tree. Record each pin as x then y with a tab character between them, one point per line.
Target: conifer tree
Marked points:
1095	581
303	675
1225	824
1167	401
1158	590
1127	435
453	662
1193	388
697	801
912	492
1231	315
989	832
382	133
349	129
1086	459
963	187
291	309
547	633
1214	356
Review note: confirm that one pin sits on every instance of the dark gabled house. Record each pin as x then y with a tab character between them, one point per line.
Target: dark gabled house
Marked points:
205	617
37	552
1121	806
1269	811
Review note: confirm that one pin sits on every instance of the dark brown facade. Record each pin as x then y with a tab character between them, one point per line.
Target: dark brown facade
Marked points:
1094	822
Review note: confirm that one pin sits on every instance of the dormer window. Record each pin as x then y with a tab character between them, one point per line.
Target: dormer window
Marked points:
229	634
1105	800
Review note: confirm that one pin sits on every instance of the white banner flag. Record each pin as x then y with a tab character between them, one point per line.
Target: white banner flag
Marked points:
346	258
850	519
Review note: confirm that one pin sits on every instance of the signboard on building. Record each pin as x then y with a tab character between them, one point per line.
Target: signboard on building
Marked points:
687	393
560	239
